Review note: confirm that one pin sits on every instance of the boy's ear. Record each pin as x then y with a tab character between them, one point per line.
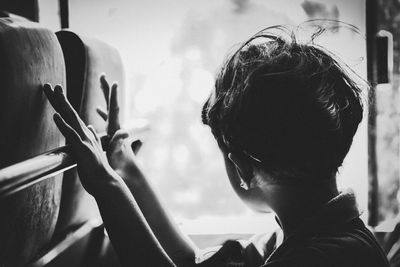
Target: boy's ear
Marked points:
243	167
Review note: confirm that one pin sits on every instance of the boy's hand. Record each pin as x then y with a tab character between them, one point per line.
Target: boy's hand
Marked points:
121	155
111	116
121	151
93	168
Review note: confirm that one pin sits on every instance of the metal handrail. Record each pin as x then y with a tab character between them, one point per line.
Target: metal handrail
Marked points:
21	175
26	173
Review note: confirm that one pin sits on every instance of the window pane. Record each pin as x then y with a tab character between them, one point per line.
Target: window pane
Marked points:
172	50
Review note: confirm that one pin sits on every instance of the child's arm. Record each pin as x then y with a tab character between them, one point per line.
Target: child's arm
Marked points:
122	159
179	248
131	237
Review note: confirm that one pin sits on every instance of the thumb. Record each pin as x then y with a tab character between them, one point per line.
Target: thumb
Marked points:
116	140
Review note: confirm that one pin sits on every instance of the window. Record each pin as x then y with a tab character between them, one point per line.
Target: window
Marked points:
171	51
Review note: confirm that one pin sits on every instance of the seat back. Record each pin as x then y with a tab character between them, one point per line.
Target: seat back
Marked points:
85	59
29	57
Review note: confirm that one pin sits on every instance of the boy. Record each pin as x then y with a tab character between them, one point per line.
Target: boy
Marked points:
284	115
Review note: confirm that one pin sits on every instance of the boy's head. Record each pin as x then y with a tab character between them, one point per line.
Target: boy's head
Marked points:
287	107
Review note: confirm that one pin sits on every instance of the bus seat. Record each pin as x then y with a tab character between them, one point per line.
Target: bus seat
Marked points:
85	59
390	242
30	56
87	245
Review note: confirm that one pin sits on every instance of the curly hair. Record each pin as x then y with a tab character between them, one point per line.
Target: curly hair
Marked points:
288	106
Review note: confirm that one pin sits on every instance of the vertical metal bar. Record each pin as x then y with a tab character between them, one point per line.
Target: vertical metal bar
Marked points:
64	13
372	74
35	10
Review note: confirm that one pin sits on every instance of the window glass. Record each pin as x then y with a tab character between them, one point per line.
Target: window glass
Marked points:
171	50
387	120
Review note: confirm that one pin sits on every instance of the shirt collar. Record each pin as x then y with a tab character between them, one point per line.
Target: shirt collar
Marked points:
339	210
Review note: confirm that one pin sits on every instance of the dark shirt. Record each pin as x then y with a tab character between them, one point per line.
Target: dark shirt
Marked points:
334	237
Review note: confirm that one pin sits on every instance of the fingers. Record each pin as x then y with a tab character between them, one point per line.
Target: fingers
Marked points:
102	113
106	89
67	130
50	94
111	96
118	137
113	115
63	107
114	96
120	134
96	137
